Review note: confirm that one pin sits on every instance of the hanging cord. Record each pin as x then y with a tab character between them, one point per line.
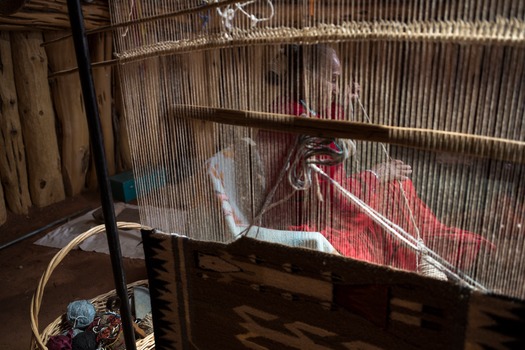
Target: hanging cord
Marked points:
228	14
130	14
424	265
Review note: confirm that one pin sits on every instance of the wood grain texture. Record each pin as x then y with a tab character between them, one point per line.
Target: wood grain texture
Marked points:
13	173
37	118
67	98
101	50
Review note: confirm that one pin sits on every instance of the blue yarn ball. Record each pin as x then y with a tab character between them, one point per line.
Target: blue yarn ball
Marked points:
80	313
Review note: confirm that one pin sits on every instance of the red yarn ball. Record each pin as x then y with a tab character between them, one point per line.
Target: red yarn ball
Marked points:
60	342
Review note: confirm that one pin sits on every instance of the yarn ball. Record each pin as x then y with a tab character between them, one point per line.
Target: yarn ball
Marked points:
85	341
80	313
60	342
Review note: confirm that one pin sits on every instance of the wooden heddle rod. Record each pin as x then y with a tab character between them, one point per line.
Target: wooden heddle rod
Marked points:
425	139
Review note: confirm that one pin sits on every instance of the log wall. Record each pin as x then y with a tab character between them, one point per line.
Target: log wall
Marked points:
13	174
45	151
67	98
37	117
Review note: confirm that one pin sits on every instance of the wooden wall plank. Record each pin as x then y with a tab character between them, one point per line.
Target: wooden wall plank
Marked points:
67	97
37	118
13	173
102	50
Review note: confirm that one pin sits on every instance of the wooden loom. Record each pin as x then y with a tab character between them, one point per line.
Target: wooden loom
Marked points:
444	85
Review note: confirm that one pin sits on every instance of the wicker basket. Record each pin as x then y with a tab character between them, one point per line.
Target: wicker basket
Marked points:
59	325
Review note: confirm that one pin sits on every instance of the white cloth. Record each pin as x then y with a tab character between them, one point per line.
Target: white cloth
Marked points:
130	240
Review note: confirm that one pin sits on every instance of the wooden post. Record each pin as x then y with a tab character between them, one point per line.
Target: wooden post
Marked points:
101	50
37	118
13	173
67	97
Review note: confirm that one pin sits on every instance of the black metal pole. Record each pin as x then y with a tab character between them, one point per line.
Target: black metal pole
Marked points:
76	19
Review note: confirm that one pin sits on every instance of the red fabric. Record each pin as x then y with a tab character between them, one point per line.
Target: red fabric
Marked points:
352	232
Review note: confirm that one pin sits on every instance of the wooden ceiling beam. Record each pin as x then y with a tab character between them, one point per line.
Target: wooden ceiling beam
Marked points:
49	14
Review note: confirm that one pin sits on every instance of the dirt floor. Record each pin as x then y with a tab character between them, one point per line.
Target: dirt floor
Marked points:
82	275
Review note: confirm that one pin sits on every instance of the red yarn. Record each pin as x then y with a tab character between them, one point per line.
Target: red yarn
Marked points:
61	342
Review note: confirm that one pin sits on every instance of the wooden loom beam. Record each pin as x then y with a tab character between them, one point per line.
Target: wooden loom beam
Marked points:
426	139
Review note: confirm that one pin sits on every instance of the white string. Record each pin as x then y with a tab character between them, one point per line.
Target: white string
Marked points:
422	263
252	17
129	17
228	14
388	225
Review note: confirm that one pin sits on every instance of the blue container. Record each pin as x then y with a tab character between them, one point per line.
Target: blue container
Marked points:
125	186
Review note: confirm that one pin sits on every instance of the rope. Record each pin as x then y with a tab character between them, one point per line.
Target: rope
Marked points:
228	14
